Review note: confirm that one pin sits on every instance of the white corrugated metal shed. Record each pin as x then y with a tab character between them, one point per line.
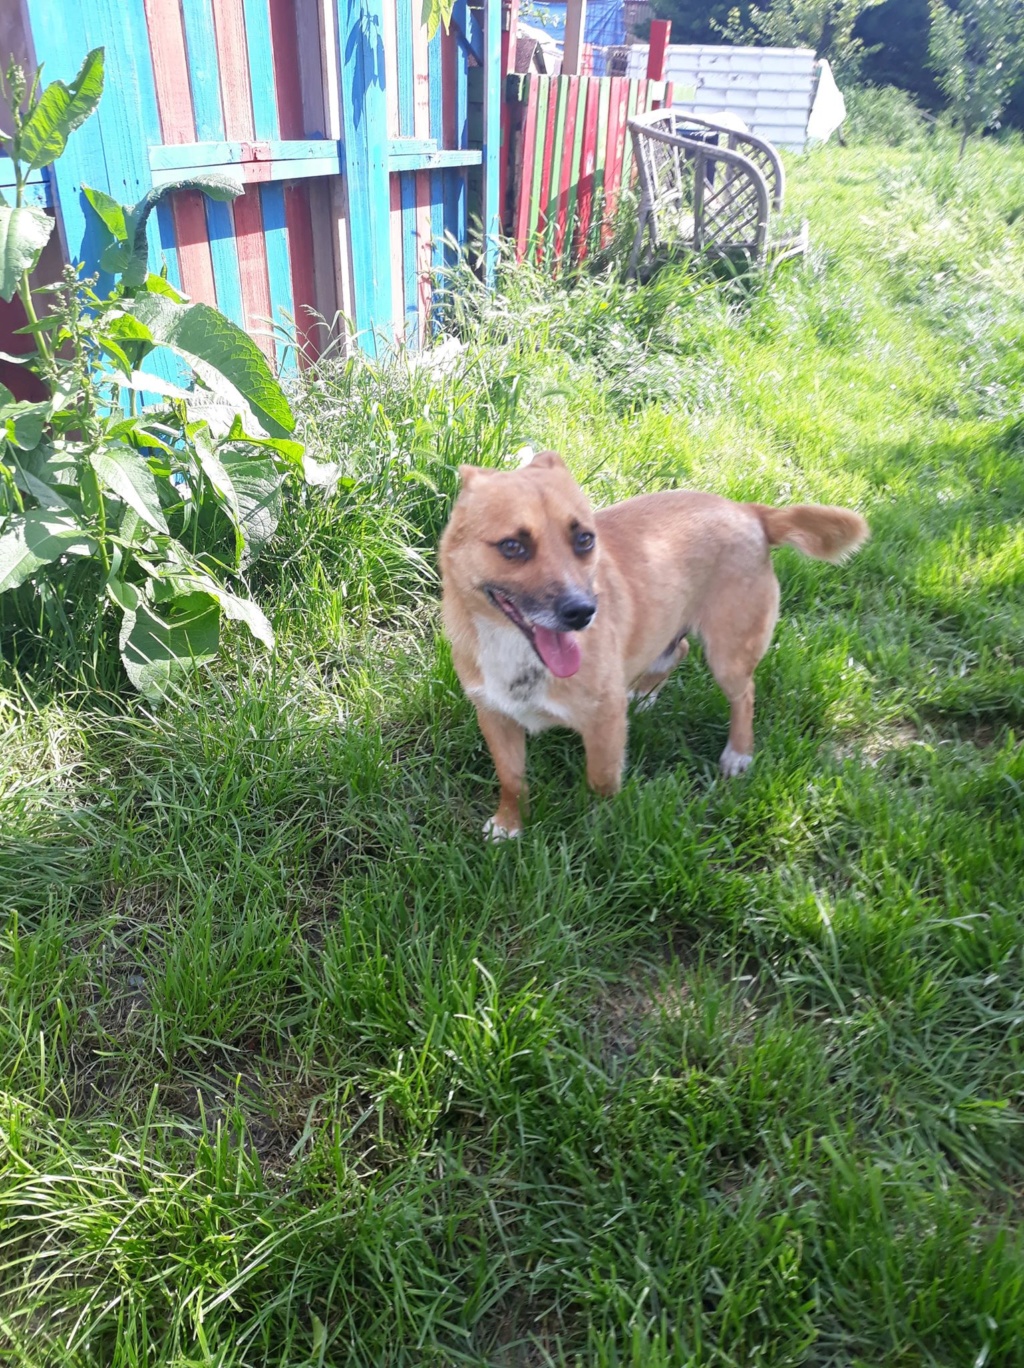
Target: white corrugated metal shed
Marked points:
771	89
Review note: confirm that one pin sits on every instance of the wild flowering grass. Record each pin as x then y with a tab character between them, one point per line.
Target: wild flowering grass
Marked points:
297	1071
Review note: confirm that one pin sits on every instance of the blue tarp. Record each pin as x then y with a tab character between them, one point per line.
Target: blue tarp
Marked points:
605	20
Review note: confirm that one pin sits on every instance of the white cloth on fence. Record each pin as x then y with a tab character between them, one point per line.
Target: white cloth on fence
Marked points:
828	108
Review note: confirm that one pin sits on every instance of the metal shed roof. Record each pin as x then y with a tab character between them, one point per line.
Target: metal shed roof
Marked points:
771	89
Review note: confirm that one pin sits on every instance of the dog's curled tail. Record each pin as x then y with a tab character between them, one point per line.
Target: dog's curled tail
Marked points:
819	530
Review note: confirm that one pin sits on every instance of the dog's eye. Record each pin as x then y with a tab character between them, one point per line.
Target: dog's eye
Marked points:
512	549
583	542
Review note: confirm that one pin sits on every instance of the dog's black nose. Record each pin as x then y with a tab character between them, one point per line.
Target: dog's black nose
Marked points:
575	611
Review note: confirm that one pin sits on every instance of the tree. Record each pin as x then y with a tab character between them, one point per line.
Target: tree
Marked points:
824	25
696	21
977	54
895	36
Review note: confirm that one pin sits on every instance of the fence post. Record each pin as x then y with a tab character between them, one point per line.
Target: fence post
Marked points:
364	159
661	31
572	48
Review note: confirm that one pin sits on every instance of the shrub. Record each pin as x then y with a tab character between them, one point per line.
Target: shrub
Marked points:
129	501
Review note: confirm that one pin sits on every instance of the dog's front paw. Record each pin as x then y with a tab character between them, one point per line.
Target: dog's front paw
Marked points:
496	831
734	762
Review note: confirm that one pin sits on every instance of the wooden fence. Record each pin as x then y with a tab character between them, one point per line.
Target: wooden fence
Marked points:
570	154
366	152
359	143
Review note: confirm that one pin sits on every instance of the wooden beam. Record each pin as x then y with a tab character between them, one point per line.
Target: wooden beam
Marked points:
572	47
296	159
661	32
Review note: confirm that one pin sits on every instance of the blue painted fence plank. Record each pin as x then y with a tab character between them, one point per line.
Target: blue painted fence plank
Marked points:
437	178
410	283
279	270
261	68
204	75
220	225
405	66
361	38
492	136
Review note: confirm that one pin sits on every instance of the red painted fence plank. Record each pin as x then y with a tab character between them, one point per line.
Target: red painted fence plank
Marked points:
236	97
177	125
252	268
170	72
194	259
524	161
233	61
285	41
589	157
617	107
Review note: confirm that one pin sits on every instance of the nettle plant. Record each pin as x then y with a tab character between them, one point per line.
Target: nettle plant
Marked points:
127	499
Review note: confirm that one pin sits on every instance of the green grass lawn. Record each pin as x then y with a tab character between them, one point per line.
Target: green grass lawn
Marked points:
297	1071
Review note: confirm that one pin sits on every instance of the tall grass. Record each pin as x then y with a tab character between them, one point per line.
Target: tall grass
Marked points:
298	1071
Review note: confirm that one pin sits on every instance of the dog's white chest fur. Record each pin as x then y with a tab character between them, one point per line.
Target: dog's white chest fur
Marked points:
515	681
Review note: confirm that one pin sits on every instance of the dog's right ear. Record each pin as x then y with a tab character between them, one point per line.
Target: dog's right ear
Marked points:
470	474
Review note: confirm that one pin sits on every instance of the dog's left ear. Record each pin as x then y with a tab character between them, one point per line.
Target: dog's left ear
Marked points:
548	460
468	474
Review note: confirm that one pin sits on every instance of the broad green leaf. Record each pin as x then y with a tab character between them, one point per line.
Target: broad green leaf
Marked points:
145	383
213	468
124	472
197	331
125	595
59	112
156	649
156	284
45	495
116	354
292	451
131	259
34	539
257	485
245	611
24	232
109	211
127	328
434	13
248	613
116	258
22	423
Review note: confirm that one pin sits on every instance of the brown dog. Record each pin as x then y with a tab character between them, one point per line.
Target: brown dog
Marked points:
558	615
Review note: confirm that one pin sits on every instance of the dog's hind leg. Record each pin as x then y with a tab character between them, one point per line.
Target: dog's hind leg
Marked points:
604	740
506	741
736	635
647	688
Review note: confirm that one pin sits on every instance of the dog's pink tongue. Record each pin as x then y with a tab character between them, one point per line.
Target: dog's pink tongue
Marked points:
560	651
